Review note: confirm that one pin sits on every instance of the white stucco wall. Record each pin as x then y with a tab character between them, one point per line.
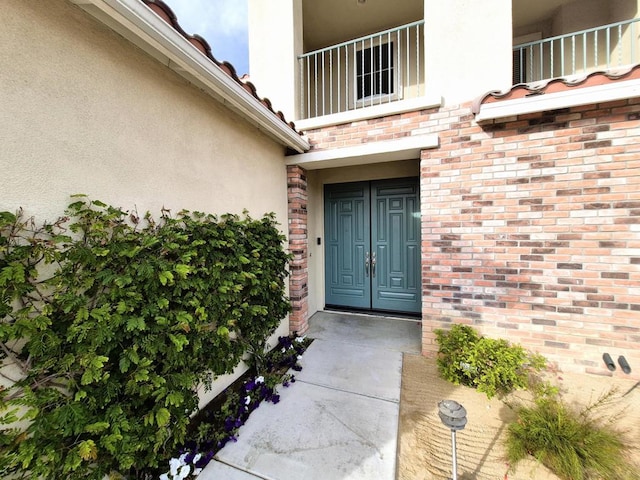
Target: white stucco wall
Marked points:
275	41
580	15
84	111
624	10
467	48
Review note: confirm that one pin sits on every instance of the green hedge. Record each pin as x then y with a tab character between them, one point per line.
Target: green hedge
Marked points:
113	320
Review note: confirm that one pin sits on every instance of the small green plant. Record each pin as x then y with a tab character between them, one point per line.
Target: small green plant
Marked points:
574	444
493	366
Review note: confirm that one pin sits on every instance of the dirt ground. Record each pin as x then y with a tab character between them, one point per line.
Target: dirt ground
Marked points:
424	444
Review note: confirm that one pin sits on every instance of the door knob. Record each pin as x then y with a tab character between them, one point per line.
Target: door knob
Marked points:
366	264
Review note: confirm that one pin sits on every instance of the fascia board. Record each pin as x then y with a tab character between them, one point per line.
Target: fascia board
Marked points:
375	152
572	97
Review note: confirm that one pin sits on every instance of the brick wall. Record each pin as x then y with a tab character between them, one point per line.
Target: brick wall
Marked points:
298	246
530	226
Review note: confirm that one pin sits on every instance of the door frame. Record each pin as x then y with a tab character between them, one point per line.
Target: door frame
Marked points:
404	295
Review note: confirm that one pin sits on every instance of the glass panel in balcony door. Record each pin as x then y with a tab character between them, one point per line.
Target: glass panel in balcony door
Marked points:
375	71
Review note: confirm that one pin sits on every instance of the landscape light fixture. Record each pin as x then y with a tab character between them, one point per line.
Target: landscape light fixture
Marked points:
453	416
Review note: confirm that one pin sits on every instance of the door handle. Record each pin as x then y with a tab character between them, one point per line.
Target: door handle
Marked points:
366	264
373	264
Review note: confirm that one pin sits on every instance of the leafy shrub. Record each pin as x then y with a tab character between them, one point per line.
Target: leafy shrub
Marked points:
575	445
112	321
219	422
493	366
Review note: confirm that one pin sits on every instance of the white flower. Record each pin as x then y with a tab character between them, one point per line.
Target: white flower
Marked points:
300	339
174	464
284	350
178	469
299	357
260	379
247	400
184	472
290	347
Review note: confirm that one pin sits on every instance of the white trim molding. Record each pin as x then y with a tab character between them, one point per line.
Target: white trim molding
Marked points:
139	24
571	97
386	109
406	148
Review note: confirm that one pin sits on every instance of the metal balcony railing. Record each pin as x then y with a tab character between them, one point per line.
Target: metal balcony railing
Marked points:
372	70
600	48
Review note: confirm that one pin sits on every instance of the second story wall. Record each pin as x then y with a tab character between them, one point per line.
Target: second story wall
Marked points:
275	41
467	47
460	50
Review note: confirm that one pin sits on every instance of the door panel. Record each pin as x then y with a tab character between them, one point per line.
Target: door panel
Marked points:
379	221
395	240
347	240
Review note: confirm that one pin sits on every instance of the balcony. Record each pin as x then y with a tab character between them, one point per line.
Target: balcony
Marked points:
373	70
578	53
444	56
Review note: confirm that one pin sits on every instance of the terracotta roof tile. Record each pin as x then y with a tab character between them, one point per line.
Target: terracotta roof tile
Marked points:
165	12
555	85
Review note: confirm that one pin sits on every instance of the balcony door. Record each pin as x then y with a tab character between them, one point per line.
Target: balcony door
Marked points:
372	245
375	71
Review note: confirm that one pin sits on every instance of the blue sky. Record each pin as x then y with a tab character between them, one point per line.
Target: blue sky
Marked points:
222	23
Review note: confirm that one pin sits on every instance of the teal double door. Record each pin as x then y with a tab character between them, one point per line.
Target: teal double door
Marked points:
372	245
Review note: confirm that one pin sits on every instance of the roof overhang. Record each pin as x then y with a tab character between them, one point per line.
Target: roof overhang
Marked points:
597	87
406	148
139	24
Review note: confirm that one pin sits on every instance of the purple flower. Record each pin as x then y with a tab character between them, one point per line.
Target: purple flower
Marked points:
204	460
229	424
252	393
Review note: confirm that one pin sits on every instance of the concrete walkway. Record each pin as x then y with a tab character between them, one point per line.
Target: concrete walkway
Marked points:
339	420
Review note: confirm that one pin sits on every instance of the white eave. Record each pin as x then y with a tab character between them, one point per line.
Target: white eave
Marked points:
572	97
374	111
139	24
406	148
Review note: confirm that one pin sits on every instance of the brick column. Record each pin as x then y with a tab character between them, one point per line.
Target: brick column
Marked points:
429	322
298	245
